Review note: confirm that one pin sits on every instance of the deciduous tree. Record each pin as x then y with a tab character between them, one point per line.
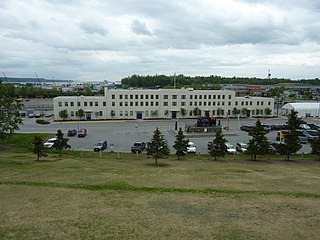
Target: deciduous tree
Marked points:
9	111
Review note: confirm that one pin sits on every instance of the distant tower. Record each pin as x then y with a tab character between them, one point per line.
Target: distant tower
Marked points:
269	74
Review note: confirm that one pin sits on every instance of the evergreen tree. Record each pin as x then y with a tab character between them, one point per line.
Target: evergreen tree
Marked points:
315	144
38	147
180	144
291	135
158	146
219	147
258	144
61	142
9	111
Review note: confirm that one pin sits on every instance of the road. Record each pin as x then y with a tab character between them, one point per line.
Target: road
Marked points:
122	134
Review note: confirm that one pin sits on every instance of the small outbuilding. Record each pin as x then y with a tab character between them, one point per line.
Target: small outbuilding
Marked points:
304	109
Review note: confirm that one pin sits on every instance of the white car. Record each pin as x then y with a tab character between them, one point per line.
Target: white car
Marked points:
191	148
304	126
49	143
241	147
231	149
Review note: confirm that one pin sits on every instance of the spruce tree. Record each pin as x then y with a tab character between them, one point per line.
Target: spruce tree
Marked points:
219	147
258	144
291	135
180	144
158	147
61	142
38	147
315	145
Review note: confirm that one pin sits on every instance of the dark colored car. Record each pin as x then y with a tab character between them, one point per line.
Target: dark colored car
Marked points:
100	146
82	132
313	126
311	135
72	133
246	128
138	147
276	127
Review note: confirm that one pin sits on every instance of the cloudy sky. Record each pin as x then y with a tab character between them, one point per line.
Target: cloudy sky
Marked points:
97	40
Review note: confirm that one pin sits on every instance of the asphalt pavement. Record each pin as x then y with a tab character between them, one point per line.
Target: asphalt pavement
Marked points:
122	134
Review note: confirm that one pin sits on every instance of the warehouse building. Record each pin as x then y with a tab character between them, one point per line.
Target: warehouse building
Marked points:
161	103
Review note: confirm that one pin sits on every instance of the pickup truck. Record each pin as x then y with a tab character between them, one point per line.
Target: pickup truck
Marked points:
138	147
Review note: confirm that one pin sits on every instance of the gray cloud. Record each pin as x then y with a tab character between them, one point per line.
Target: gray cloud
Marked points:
95	40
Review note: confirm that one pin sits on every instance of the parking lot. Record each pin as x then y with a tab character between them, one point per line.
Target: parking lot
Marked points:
122	134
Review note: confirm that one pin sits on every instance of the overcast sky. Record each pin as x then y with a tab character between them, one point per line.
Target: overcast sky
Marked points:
98	40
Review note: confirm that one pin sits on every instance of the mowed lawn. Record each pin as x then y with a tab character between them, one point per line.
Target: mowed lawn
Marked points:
83	196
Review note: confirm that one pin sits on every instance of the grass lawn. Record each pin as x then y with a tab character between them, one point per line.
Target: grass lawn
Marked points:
83	196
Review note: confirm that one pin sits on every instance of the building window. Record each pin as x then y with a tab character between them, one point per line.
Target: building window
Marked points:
131	113
183	96
120	96
204	96
71	104
200	103
191	97
213	103
213	112
242	103
66	104
85	104
136	104
214	97
96	104
141	104
261	103
120	104
151	104
258	103
223	96
229	103
200	96
190	103
174	104
91	104
204	103
121	113
104	104
269	103
136	96
79	104
157	96
126	113
60	104
113	104
165	104
218	96
222	103
72	114
250	103
126	104
236	103
147	96
147	104
195	103
131	96
165	96
174	96
126	96
218	103
229	96
195	96
113	96
100	113
147	113
246	103
157	103
141	96
209	97
151	96
209	103
183	104
131	104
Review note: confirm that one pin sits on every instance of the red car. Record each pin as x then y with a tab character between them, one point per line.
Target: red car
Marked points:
82	132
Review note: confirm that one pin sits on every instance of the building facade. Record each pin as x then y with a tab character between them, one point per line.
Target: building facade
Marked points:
161	103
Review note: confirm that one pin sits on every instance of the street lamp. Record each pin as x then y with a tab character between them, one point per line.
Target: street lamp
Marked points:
78	103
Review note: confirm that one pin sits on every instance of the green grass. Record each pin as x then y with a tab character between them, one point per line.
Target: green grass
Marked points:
83	196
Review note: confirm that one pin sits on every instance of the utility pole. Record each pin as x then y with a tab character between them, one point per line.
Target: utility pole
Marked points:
174	81
5	77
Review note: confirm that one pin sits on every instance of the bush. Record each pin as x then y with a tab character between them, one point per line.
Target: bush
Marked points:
42	121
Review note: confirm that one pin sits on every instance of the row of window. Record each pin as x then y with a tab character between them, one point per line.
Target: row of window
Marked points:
151	96
96	104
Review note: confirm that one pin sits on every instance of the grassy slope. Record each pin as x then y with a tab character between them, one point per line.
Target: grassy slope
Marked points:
128	198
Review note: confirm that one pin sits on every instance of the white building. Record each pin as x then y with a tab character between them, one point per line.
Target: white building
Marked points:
161	103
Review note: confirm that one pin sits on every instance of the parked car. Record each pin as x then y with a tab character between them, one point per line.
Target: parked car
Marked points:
191	148
49	143
311	135
246	128
37	115
267	128
230	148
304	126
241	147
48	115
303	139
313	126
210	145
30	115
72	133
272	149
82	132
276	127
138	147
100	146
